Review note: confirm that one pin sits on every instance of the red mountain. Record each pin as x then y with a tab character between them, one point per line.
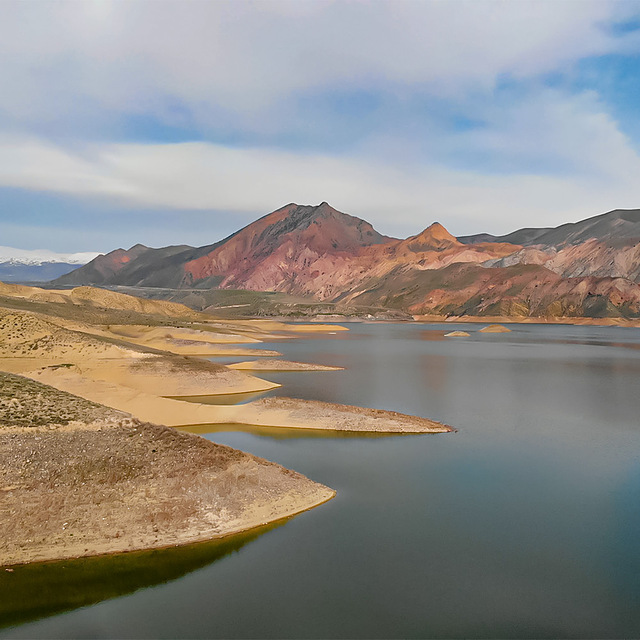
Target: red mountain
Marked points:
319	252
282	246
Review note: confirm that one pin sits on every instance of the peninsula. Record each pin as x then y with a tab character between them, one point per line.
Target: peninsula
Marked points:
92	383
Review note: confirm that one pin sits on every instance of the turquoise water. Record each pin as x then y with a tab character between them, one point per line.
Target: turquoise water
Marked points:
524	523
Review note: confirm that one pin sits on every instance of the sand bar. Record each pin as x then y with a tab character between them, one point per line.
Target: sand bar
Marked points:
312	414
125	377
266	412
270	364
159	335
175	376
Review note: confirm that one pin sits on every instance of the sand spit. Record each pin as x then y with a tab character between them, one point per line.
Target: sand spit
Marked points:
84	467
182	340
312	414
287	413
494	328
187	342
281	365
457	334
200	349
146	407
101	363
315	328
170	375
160	335
78	479
29	341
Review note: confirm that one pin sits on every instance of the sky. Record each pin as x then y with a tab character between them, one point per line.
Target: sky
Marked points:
180	122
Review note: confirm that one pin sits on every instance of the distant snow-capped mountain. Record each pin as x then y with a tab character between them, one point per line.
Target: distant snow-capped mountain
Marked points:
40	256
39	265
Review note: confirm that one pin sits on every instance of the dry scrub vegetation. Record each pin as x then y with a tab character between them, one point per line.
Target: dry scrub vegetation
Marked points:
81	479
24	335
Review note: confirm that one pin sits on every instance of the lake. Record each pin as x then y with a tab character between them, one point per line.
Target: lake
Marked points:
525	523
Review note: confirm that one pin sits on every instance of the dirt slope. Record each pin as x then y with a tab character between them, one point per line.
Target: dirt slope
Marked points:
78	479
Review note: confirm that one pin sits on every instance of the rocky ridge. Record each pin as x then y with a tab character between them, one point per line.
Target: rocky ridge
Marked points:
590	268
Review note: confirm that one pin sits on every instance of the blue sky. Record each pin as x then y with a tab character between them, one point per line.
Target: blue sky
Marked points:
179	122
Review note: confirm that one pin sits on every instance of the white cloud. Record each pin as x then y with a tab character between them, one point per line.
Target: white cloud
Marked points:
244	63
399	199
550	132
247	58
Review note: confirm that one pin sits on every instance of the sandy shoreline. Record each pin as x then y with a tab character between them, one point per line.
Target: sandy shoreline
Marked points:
313	414
596	322
85	468
274	412
97	363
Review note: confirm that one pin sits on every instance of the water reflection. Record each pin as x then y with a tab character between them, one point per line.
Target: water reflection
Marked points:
222	398
289	433
33	591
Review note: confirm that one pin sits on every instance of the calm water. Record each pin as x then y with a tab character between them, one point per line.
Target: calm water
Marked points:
525	523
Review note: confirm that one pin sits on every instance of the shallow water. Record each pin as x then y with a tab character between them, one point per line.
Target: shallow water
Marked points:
525	523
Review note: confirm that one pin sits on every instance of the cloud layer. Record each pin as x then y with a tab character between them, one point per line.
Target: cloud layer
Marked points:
474	113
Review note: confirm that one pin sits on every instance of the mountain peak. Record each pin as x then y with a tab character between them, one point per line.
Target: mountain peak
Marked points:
316	225
435	236
284	241
437	231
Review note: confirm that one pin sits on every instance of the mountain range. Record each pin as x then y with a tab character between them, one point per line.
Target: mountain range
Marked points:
24	265
589	268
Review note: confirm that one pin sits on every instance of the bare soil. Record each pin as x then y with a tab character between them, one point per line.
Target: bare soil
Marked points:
340	417
79	479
